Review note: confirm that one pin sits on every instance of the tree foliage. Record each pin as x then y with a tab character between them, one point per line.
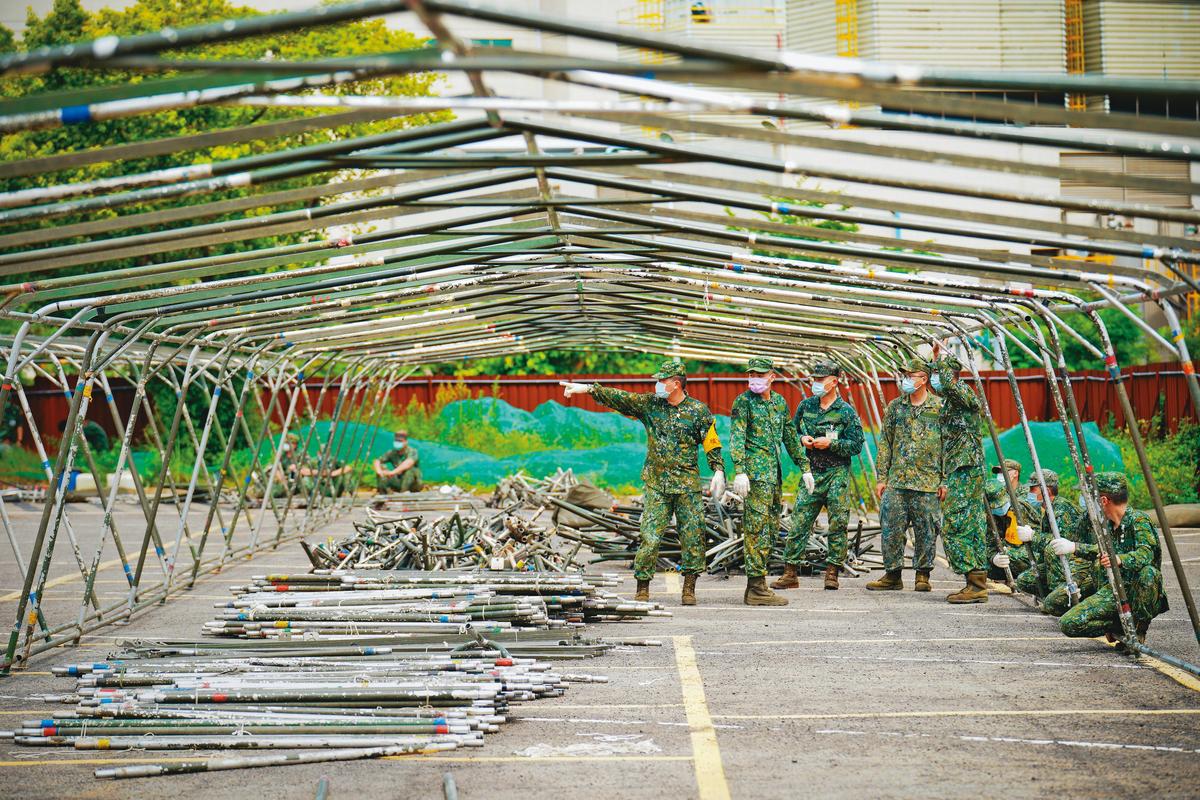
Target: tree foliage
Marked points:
68	22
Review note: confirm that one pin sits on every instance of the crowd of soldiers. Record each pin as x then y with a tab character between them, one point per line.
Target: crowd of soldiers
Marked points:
931	480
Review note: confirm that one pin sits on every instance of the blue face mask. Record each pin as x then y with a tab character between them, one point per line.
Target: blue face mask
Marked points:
1000	511
907	385
1082	501
1033	500
935	381
818	388
660	390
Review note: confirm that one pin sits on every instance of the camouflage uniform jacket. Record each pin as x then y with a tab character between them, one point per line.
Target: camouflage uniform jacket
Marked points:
812	420
397	456
1135	541
962	413
673	433
760	424
1066	515
910	445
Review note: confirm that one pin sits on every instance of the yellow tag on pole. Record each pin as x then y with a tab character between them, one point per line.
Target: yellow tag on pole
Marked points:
711	439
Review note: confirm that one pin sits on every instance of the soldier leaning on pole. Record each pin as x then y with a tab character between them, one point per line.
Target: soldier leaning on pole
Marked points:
831	431
676	425
761	423
964	526
912	478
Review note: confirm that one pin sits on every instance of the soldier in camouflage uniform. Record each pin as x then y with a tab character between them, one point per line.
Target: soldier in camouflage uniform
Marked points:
675	426
1066	515
964	526
912	478
830	428
398	470
287	476
760	424
1138	560
1007	520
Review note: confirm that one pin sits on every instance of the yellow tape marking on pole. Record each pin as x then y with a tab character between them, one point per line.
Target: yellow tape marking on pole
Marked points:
710	773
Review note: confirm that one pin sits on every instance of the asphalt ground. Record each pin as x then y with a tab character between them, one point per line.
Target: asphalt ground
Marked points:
841	694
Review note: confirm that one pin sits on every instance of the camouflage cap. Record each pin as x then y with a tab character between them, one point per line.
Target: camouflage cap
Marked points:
1111	483
291	437
760	364
670	369
823	369
916	364
1009	463
994	492
401	432
1048	475
952	362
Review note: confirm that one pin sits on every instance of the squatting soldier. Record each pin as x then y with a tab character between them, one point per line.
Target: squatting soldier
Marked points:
398	470
912	478
1006	520
287	476
675	425
830	430
760	423
1066	515
1138	560
964	524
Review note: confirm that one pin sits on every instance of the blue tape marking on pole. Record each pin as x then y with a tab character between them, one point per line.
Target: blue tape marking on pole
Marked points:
75	115
217	391
783	208
1147	251
46	464
108	397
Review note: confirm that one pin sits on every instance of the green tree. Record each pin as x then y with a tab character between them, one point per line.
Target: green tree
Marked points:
67	22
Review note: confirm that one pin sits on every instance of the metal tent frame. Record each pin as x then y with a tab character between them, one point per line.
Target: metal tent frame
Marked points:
662	248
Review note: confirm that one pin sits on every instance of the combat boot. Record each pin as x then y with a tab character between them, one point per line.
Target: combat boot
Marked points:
689	591
922	584
643	591
757	594
788	580
975	591
831	577
891	581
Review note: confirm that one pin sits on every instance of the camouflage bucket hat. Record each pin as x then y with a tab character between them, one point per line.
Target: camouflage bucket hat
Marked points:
823	369
670	369
760	364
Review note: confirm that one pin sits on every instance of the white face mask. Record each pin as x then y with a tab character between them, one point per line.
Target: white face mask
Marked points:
287	448
399	444
660	390
758	385
818	388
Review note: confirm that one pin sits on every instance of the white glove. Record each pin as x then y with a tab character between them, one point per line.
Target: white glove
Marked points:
716	487
1001	560
741	485
1024	533
1062	547
570	389
810	483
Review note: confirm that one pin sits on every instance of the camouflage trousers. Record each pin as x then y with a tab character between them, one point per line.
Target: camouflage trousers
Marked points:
330	487
900	509
831	492
1083	572
964	520
657	508
1097	614
407	481
760	525
1047	563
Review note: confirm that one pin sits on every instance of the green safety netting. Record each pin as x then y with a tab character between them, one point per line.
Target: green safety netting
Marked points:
608	448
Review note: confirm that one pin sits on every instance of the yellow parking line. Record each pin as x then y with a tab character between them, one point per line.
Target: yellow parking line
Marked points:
710	772
63	579
1036	712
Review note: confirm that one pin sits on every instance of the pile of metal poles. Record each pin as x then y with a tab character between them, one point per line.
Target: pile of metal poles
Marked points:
331	700
349	605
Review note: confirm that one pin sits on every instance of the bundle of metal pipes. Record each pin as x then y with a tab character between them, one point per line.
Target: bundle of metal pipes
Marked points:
483	538
330	699
348	605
